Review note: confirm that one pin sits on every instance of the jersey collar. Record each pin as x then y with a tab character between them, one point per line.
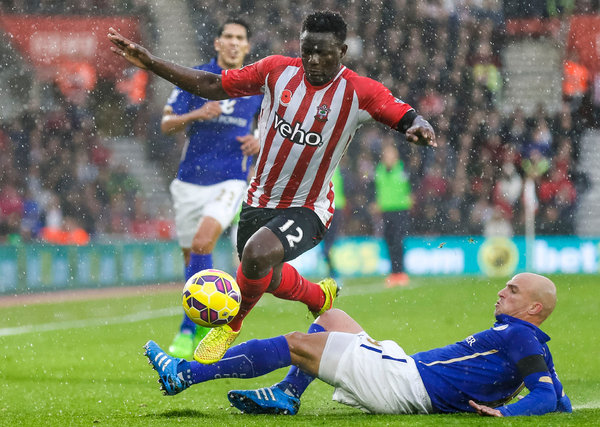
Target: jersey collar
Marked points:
505	318
308	84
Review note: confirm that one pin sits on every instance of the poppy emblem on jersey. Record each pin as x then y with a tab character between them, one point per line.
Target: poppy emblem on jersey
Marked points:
322	113
286	97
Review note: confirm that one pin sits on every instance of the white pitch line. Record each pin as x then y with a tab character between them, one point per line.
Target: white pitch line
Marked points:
145	315
587	405
85	323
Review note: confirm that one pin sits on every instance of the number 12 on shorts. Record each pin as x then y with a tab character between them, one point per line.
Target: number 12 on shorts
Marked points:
291	238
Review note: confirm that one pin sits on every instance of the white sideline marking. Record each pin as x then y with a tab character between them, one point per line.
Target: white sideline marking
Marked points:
86	323
588	405
145	315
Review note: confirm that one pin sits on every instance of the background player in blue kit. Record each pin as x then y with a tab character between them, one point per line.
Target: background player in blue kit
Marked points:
213	171
479	374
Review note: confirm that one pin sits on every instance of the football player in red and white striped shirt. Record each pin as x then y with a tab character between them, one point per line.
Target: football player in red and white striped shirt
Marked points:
311	109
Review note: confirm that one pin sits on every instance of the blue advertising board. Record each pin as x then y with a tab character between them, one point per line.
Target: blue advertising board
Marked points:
38	267
500	256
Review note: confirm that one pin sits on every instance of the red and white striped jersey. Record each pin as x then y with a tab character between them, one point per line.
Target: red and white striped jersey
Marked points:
305	129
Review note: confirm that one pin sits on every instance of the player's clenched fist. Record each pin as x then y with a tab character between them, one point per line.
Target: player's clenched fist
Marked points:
133	52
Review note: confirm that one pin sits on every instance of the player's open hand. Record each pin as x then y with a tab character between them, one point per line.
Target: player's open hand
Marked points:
133	52
250	145
485	411
421	133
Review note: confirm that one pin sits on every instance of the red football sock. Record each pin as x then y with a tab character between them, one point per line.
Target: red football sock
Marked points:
296	288
252	290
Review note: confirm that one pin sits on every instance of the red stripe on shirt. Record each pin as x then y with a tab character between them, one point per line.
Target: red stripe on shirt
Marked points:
285	148
335	136
330	209
301	167
262	161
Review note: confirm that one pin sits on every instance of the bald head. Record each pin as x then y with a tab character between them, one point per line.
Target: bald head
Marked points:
542	290
527	296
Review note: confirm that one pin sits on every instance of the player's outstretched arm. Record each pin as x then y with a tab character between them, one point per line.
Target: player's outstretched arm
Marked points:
201	83
421	133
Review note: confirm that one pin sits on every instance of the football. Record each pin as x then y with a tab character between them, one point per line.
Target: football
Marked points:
211	298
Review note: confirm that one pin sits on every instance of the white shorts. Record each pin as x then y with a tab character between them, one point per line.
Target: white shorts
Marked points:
374	376
193	202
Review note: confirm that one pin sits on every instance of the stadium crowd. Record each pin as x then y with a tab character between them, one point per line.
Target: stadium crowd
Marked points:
57	177
442	57
59	181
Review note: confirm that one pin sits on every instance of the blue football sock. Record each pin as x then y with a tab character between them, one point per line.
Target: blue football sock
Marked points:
248	360
198	262
296	381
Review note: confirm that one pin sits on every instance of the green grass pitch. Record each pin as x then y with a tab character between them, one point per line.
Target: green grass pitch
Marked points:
81	362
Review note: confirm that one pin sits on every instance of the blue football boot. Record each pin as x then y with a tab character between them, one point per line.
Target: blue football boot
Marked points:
170	381
266	400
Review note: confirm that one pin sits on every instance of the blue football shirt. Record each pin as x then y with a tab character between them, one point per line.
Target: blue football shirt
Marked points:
212	153
484	366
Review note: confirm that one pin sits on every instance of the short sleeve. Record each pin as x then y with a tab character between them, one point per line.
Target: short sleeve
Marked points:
250	79
379	102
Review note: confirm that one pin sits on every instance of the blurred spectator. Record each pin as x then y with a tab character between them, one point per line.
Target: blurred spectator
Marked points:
576	80
432	103
133	88
557	196
394	200
497	225
486	72
508	190
535	165
70	232
11	211
516	128
31	223
456	206
75	80
433	186
481	214
540	140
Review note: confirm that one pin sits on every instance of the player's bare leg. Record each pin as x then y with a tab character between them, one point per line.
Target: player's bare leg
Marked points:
262	251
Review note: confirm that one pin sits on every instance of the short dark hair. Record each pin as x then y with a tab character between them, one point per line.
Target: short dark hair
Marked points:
237	21
326	21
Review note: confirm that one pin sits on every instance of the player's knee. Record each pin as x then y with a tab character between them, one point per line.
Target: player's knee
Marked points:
256	258
337	320
330	317
306	350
